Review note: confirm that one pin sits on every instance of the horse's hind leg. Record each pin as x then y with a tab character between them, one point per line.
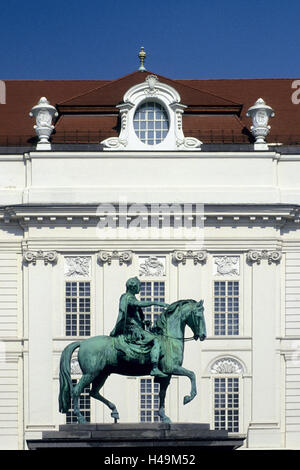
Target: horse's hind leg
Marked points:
85	380
98	383
164	383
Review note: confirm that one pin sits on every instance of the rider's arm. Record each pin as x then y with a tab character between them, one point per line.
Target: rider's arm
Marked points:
146	303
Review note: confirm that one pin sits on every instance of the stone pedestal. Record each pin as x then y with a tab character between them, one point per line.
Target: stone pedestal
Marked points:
160	436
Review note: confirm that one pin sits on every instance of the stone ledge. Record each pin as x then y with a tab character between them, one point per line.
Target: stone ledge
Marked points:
137	435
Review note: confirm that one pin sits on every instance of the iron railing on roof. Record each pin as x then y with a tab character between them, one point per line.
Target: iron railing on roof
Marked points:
95	137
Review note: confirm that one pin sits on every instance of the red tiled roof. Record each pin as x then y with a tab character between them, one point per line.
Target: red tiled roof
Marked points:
215	108
16	127
112	93
276	92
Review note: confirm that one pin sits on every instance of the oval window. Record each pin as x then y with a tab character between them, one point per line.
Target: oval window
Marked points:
151	123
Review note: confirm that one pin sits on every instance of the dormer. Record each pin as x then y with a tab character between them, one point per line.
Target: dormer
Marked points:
151	120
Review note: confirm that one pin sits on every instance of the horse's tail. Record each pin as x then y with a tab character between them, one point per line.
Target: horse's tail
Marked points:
65	381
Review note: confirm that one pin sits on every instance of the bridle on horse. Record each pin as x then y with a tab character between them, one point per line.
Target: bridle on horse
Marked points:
189	338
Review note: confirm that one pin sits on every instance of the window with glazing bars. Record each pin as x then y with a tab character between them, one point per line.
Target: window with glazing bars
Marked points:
226	403
151	123
78	308
152	290
149	401
226	307
84	405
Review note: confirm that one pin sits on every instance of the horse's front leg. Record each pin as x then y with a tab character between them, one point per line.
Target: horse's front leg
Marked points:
178	370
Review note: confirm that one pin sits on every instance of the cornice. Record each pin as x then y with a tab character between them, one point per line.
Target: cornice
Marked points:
260	215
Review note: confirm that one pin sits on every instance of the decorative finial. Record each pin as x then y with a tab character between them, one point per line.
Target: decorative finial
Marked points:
142	57
260	114
43	113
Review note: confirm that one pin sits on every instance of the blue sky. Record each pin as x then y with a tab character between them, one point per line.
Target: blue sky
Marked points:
183	38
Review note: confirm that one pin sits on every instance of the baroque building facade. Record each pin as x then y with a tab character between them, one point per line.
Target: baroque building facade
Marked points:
191	185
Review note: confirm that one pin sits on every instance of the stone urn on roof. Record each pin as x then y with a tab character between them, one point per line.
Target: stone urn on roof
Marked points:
260	113
43	113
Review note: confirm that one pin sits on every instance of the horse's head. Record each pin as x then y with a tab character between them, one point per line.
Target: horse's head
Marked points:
196	321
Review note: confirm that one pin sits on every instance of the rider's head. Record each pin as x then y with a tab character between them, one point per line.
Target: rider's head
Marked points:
133	285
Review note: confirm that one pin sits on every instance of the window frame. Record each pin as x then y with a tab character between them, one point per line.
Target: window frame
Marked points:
227	312
229	366
236	277
85	411
78	278
153	395
77	314
164	109
227	377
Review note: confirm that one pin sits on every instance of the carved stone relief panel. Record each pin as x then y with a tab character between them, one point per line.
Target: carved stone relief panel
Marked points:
152	266
78	266
226	266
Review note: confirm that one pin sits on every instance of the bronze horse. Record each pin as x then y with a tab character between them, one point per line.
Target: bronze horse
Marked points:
100	356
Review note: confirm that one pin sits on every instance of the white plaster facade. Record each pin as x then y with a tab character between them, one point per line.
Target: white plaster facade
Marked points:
247	201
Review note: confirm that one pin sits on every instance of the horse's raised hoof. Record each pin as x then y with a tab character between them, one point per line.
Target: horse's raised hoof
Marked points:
187	399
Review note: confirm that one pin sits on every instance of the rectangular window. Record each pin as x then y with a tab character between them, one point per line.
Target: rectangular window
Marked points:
152	290
78	308
84	406
226	403
149	401
226	307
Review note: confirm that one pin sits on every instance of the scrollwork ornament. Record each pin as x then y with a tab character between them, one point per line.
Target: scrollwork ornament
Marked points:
188	143
108	256
255	256
104	257
115	142
47	257
182	256
274	256
29	257
125	257
50	257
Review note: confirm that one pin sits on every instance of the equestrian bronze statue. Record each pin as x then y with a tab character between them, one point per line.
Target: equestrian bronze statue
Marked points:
134	348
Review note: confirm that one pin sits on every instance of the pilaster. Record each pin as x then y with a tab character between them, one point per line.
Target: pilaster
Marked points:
39	285
264	428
